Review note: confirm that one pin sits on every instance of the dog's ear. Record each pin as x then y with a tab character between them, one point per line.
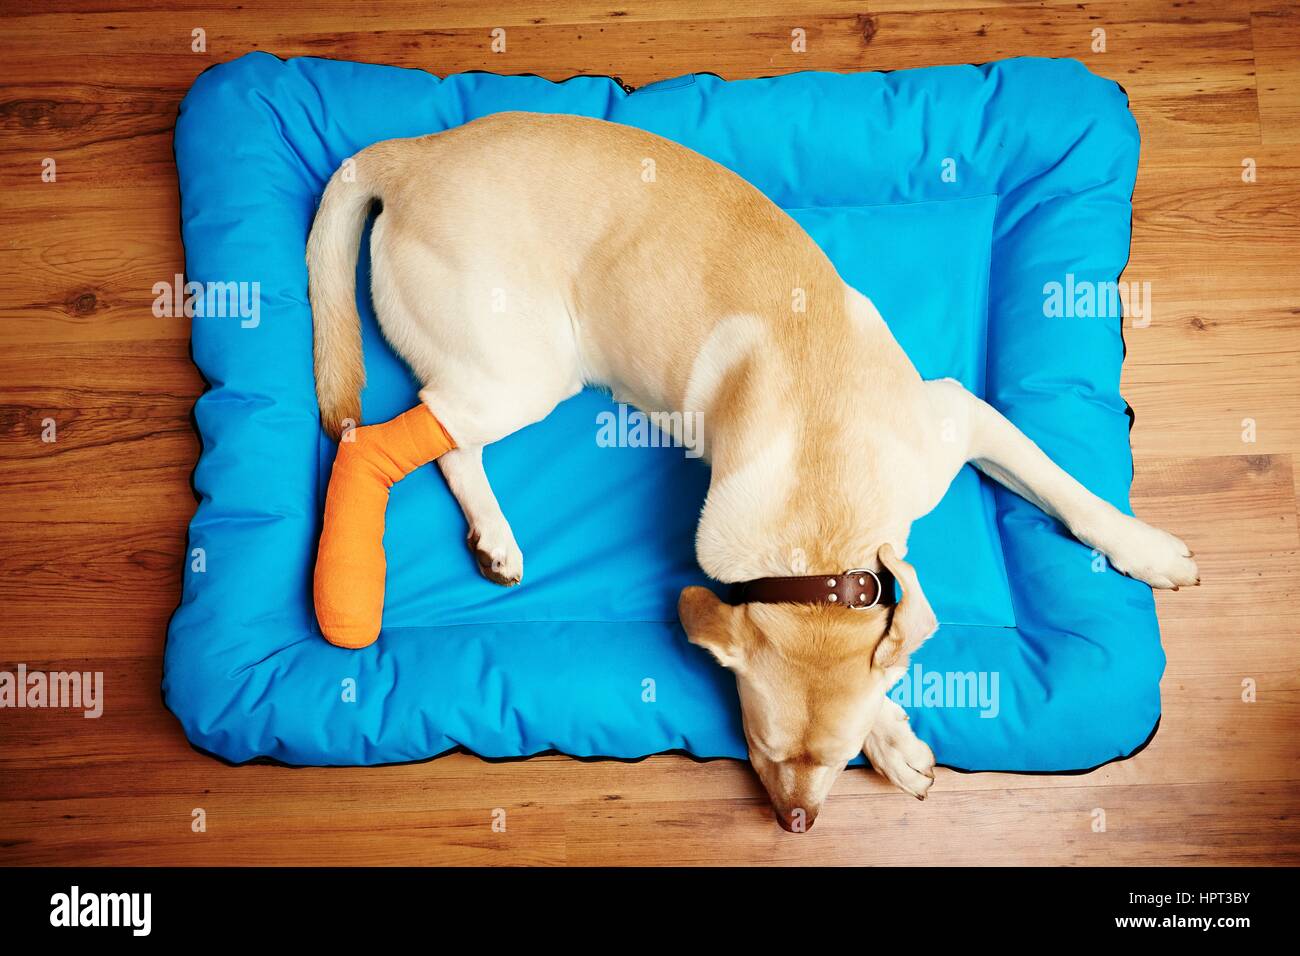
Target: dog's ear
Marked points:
913	619
712	625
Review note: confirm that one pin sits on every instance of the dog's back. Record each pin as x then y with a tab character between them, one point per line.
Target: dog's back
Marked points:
589	252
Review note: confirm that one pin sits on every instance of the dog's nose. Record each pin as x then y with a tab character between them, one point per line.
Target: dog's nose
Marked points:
797	820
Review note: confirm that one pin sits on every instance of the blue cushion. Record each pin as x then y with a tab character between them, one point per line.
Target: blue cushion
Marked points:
951	196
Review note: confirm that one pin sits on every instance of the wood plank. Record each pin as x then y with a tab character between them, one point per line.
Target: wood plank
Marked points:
1189	67
74	279
1220	255
1233	823
1276	31
336	16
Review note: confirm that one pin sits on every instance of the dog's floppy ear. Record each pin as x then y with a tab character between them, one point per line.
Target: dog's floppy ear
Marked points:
913	619
710	624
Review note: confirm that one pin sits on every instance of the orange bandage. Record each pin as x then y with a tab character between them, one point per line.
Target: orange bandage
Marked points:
350	565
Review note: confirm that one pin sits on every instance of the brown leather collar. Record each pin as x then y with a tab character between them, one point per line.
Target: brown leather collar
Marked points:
857	589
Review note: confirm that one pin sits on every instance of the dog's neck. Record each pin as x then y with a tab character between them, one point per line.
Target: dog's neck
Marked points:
777	514
794	491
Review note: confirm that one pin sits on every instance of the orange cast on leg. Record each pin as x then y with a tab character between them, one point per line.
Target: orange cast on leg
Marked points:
350	565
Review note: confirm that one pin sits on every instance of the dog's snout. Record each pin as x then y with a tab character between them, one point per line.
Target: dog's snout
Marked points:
796	819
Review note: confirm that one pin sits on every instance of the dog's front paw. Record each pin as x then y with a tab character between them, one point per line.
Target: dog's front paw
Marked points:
499	558
1151	555
898	755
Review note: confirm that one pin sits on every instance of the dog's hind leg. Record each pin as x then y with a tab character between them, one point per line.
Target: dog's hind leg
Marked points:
1004	453
489	536
481	403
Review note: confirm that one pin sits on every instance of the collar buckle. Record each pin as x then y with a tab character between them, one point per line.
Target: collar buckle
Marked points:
857	577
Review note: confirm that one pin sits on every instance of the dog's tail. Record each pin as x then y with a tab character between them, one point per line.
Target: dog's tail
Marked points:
331	270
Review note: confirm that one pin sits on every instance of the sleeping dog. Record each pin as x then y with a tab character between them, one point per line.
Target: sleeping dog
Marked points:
521	257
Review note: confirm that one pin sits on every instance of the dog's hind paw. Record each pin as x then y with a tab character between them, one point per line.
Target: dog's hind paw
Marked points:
498	560
898	755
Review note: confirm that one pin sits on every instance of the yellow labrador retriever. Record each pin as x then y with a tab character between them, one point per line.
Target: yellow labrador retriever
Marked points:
522	256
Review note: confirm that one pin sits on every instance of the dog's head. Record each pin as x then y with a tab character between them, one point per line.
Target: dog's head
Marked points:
812	679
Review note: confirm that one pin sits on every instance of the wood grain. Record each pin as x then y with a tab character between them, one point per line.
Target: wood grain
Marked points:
92	526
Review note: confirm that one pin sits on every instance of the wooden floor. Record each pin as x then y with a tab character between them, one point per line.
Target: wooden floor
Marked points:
92	527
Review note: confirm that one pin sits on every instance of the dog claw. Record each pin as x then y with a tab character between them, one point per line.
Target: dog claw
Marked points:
502	565
1150	555
496	574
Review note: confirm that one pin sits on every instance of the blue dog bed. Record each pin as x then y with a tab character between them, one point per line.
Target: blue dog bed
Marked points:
952	196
